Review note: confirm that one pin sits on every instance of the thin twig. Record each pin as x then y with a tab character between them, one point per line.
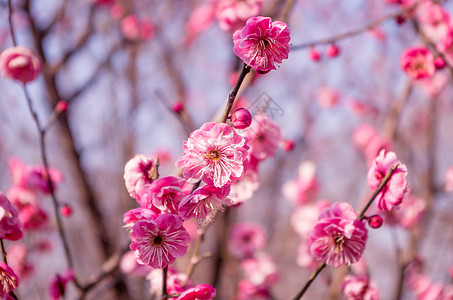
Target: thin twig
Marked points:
10	20
3	252
164	283
232	96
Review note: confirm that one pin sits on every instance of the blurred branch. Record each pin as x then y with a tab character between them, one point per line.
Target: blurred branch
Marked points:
286	10
178	115
357	31
10	21
391	122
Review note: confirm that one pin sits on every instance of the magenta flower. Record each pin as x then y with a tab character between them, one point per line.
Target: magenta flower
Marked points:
8	281
264	137
19	63
204	203
137	214
393	192
215	153
165	194
10	225
338	238
245	239
157	243
360	288
418	62
138	175
262	44
200	292
57	286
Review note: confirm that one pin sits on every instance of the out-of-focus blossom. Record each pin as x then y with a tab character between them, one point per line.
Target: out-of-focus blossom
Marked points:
393	192
33	217
376	145
232	14
288	145
263	136
137	214
363	135
250	291
157	243
360	287
435	84
302	189
165	194
262	44
200	19
241	118
434	20
18	260
260	270
117	11
304	257
199	292
418	62
9	281
66	210
449	179
21	197
138	175
411	212
338	238
215	153
328	97
305	216
130	27
57	286
244	189
333	51
314	54
204	203
10	225
424	288
129	265
174	282
246	239
19	63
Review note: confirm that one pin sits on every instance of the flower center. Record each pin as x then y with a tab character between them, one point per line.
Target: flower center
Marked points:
339	242
158	240
264	43
213	154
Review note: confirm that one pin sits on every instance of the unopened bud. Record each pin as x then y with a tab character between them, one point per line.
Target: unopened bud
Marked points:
241	118
375	221
333	51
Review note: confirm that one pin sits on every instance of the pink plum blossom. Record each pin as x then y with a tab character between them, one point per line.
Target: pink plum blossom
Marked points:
262	44
424	288
305	187
137	214
338	238
304	257
250	291
328	97
360	288
418	62
305	216
57	286
200	20
157	243
232	14
19	63
204	203
129	265
246	239
174	282
363	135
376	145
130	27
412	212
216	154
200	292
435	21
8	281
260	270
245	188
138	175
393	192
264	137
241	118
165	194
33	217
449	179
18	260
10	225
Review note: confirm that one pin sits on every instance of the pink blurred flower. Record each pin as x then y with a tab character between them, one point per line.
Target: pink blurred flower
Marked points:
360	288
333	51
215	153
21	197
117	11
411	212
137	214
262	44
138	175
305	187
8	281
264	137
245	239
157	243
338	238
362	136
204	203
33	217
424	288
10	225
376	145
200	292
174	282
305	216
250	291
130	27
417	62
328	97
434	20
314	54
304	257
129	265
244	189
260	270
393	192
18	260
200	19
232	14
57	286
146	29
19	63
449	179
165	194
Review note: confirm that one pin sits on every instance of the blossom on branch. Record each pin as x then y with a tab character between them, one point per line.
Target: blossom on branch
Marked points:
216	154
8	281
10	225
138	175
20	63
200	292
418	62
360	287
262	44
232	14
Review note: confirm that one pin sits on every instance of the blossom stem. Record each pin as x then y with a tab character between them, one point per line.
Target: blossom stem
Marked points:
164	283
232	96
10	20
3	251
310	280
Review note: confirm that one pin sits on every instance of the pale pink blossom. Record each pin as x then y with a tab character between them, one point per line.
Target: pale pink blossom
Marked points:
138	175
418	62
19	63
130	27
412	212
362	135
305	187
304	257
305	216
360	287
264	137
216	154
246	239
434	20
250	291
174	282
262	44
424	288
20	196
449	179
10	225
328	97
338	238
260	270
244	189
129	265
19	261
393	192
137	214
157	243
57	286
200	292
9	281
200	20
146	29
435	84
33	217
376	145
165	194
232	14
204	203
